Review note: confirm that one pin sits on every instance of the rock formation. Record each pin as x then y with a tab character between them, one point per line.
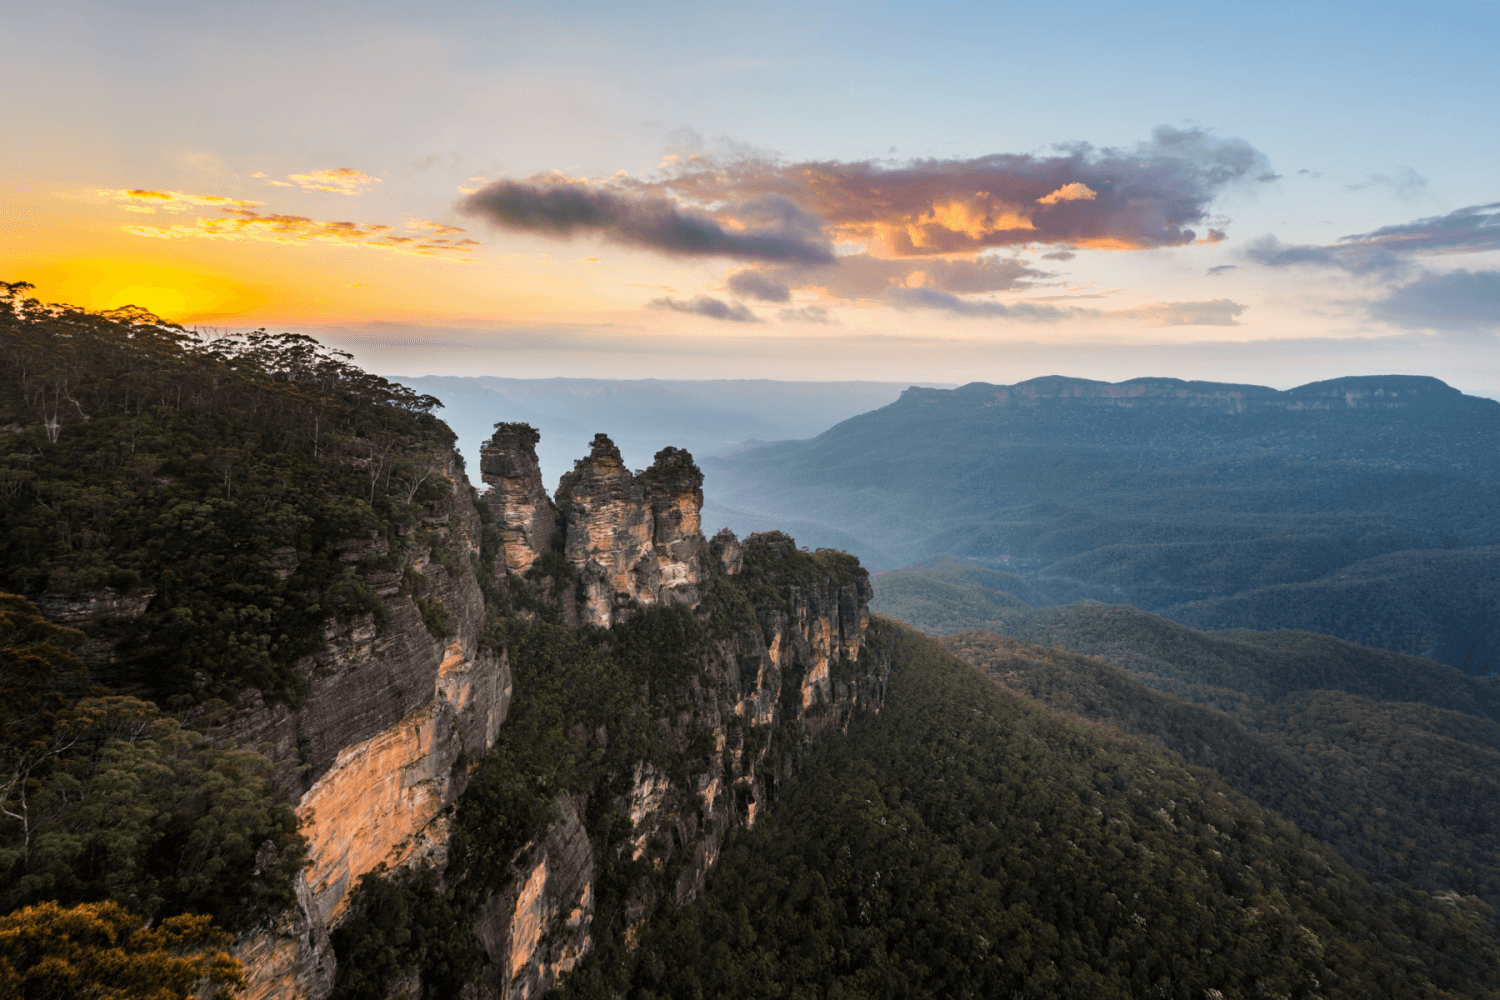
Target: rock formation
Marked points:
373	755
527	517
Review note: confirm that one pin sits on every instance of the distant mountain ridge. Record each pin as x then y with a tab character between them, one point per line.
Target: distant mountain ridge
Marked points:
1366	391
1193	499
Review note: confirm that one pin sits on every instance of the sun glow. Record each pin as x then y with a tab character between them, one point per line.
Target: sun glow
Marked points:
171	293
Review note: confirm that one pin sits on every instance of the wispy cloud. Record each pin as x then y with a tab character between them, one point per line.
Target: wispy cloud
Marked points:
707	305
1212	312
148	201
1405	182
759	285
245	224
1474	229
340	180
809	314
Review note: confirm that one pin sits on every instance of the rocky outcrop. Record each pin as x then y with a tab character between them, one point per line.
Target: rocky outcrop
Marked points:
526	516
632	540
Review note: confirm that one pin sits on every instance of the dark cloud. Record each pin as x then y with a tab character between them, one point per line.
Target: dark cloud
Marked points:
1458	301
809	314
707	305
1223	269
1059	255
564	210
759	285
1468	230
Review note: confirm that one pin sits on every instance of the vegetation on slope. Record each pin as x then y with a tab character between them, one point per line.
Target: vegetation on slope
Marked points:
966	842
223	476
1406	793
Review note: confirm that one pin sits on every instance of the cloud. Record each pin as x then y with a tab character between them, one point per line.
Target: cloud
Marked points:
1474	229
706	305
1213	312
341	180
926	224
862	276
245	224
1069	192
148	201
1223	269
932	298
809	314
1406	183
435	228
758	285
1457	300
1150	195
561	208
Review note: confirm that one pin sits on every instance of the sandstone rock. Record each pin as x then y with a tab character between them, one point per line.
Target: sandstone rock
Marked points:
633	540
727	549
527	517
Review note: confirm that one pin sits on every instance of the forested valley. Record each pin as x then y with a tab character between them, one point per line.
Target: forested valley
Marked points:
214	546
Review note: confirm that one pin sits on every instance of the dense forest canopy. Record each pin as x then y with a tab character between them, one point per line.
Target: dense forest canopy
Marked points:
217	477
966	842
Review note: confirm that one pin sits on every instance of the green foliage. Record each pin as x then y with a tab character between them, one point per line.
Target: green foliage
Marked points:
107	798
435	617
398	922
228	476
949	596
965	843
773	563
120	802
1406	793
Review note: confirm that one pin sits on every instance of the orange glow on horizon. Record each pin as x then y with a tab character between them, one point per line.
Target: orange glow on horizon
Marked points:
174	294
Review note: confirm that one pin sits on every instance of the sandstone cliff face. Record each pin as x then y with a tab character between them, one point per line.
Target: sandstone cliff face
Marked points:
370	753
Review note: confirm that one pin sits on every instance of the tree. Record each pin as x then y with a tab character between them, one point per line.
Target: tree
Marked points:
103	951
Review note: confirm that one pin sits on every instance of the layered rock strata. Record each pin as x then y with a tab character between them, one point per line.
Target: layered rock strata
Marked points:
369	755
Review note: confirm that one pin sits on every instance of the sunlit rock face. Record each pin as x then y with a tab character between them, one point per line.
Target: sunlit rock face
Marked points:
528	520
370	754
633	540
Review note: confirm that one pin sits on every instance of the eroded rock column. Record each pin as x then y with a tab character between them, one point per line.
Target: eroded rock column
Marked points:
527	517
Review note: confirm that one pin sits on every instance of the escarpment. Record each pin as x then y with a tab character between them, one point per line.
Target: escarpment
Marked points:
619	692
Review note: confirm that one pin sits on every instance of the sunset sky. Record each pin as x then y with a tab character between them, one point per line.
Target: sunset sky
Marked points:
1268	193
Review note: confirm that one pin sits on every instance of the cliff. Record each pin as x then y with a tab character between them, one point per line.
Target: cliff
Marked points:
402	706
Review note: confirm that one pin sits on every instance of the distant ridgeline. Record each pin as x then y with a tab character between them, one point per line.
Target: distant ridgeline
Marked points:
287	706
1367	508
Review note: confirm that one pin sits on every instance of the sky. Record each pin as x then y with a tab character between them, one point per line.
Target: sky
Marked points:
921	192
